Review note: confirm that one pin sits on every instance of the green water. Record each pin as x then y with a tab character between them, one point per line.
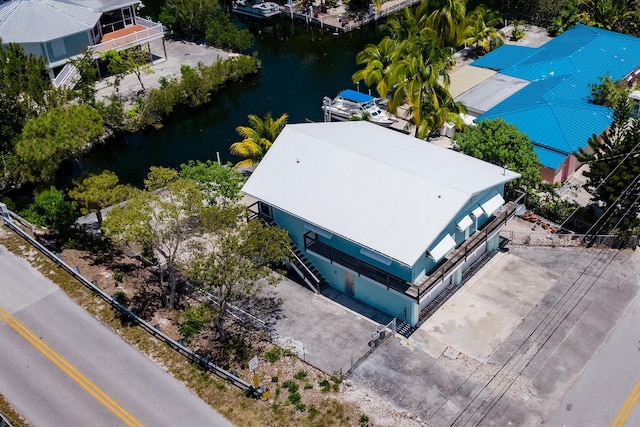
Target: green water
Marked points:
300	65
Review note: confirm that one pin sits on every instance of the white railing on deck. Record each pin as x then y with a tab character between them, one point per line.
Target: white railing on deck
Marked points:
152	31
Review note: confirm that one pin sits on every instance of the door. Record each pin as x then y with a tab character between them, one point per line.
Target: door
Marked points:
348	283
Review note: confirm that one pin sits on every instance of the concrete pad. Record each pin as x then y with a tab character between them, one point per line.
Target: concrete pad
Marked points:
477	319
322	332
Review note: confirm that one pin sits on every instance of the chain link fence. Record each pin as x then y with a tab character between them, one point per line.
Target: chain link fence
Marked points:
565	240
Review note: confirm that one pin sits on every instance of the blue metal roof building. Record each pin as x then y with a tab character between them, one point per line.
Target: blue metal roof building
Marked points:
554	110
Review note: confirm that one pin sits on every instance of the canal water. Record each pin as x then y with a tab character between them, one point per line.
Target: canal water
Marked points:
300	65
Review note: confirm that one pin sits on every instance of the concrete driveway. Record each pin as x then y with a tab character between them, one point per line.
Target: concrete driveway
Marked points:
508	346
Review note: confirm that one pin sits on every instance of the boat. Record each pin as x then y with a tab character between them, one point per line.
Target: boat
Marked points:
256	8
354	105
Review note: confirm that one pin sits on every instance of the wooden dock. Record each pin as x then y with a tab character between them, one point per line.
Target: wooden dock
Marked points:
338	20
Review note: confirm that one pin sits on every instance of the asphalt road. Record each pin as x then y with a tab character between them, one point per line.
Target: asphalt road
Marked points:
59	366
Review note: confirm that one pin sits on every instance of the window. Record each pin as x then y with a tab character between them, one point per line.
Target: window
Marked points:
265	210
57	46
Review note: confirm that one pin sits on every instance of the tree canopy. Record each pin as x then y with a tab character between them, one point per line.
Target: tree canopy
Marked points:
52	209
237	263
52	137
158	220
98	191
193	19
502	144
411	65
220	184
257	138
614	172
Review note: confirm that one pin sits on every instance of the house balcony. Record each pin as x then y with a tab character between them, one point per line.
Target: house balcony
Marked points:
143	31
459	255
312	244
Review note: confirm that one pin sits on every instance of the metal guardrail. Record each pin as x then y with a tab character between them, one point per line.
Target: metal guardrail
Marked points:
193	357
4	422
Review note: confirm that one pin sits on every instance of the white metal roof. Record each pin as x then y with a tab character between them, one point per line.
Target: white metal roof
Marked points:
488	93
37	21
386	191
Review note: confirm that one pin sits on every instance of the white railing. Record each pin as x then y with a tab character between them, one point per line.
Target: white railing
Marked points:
67	77
152	31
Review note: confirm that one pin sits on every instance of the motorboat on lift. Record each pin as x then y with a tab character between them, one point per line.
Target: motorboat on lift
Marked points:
354	105
259	9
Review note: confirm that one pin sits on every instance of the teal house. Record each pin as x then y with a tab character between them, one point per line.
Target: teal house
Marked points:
61	30
386	218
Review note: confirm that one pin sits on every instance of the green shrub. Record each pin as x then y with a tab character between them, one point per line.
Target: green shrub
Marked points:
120	297
194	321
325	385
274	379
291	385
294	397
300	375
363	421
308	386
273	355
301	406
118	276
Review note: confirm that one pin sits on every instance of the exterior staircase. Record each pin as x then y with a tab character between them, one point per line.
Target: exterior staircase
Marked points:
305	269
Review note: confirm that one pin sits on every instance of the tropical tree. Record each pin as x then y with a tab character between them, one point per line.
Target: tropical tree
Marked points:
481	29
614	172
135	60
237	263
194	19
422	81
257	138
449	22
50	208
502	144
52	137
220	183
607	92
85	86
377	60
95	192
158	220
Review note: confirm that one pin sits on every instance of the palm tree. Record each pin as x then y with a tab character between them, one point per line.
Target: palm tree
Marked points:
422	84
377	59
481	30
448	22
257	138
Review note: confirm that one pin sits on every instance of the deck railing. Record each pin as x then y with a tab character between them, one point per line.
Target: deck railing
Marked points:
312	244
152	31
460	254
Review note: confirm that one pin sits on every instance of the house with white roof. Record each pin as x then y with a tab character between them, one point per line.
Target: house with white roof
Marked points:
60	30
380	215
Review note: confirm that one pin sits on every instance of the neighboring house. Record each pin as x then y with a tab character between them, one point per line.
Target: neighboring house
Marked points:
382	216
545	91
60	30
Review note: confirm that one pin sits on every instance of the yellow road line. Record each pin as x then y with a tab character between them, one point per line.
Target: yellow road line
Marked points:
627	407
68	369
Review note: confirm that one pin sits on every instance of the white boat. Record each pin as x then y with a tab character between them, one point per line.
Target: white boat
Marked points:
353	105
256	8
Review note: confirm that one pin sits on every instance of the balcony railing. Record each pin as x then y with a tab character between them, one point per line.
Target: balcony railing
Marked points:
460	254
334	255
142	32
